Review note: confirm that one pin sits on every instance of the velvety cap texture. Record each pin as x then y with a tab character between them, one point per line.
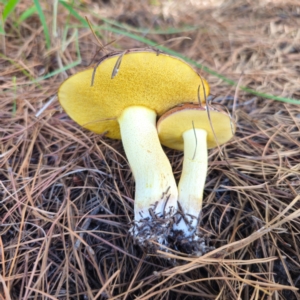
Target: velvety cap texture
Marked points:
175	122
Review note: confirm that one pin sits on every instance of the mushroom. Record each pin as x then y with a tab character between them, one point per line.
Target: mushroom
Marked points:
124	105
193	129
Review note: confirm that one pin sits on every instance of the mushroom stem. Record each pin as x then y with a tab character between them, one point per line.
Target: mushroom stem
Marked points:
155	186
192	181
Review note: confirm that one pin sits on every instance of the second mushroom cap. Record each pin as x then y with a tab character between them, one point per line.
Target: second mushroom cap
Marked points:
172	125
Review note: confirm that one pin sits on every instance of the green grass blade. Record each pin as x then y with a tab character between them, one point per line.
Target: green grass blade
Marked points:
204	68
44	23
146	30
74	13
27	13
188	60
2	31
9	7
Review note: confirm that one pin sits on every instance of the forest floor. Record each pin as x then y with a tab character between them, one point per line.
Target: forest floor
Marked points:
66	194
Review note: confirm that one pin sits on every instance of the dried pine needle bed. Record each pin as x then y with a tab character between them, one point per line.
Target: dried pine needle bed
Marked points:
66	194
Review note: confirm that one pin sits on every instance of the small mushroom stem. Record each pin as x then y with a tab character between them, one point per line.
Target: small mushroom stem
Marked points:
192	181
155	184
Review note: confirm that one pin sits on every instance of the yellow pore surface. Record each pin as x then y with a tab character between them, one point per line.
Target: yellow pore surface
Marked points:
171	128
158	82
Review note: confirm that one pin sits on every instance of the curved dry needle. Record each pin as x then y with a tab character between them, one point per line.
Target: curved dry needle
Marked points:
204	91
97	39
212	128
118	64
195	140
209	118
227	162
232	120
98	121
95	69
199	100
90	25
232	124
102	47
172	40
99	62
236	94
119	60
198	93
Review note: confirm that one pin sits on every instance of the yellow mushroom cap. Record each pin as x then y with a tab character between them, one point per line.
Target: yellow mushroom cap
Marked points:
176	121
145	78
